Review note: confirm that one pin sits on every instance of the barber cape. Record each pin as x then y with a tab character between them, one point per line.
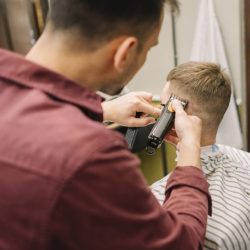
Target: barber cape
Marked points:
227	171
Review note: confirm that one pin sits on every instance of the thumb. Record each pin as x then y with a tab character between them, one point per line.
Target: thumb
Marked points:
178	108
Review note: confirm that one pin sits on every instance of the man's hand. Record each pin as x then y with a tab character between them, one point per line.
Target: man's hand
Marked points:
122	110
188	129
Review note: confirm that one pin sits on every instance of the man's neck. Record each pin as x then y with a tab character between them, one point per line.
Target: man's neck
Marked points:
84	68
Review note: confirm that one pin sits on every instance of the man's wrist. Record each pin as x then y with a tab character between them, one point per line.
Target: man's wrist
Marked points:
106	111
189	154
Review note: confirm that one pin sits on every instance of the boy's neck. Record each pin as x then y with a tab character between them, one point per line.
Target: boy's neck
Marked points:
208	139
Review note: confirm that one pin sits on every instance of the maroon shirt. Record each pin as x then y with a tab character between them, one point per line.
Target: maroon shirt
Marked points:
67	182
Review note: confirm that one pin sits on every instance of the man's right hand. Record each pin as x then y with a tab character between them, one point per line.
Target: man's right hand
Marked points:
188	129
123	109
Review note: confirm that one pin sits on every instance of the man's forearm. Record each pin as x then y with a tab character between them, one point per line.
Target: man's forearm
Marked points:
189	154
188	199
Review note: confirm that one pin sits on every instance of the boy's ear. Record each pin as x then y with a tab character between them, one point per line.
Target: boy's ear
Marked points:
125	53
165	94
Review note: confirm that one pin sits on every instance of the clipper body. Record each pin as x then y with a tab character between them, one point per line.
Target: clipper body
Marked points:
163	125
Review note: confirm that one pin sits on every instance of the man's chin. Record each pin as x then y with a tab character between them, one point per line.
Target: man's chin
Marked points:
115	86
112	90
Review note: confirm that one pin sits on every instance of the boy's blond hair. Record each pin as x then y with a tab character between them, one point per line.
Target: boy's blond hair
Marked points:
207	88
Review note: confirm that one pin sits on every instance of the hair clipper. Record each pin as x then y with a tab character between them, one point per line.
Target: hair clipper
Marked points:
163	125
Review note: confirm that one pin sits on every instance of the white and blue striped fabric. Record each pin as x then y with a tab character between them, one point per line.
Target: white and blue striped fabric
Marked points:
227	170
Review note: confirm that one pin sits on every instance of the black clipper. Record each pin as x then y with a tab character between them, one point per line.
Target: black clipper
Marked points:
163	125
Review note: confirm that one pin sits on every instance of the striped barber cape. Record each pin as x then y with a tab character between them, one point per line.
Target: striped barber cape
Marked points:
227	170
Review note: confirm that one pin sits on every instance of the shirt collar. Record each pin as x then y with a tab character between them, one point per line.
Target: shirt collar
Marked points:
23	72
210	151
206	152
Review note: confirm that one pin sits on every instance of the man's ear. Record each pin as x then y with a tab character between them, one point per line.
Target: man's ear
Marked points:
125	53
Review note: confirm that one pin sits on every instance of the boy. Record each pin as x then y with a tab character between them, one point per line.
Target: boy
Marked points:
207	89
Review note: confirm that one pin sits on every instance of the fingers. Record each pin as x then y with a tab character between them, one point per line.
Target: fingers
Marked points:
145	95
172	139
140	122
178	108
172	132
143	103
132	103
148	109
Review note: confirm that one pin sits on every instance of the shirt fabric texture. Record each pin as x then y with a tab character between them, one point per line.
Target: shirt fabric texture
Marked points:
67	182
228	173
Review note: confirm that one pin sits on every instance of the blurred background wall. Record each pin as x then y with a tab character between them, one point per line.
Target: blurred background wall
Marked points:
21	23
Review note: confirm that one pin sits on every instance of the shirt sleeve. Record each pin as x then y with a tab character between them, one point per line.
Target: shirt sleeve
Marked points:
108	205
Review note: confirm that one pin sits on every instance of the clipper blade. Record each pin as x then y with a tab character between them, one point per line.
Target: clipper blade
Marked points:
174	97
163	124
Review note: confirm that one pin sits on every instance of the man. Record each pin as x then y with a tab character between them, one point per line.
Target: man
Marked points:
66	181
208	90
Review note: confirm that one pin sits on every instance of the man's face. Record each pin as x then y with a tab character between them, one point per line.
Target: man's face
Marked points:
138	61
141	57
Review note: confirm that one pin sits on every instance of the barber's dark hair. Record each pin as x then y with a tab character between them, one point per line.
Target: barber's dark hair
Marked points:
98	21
